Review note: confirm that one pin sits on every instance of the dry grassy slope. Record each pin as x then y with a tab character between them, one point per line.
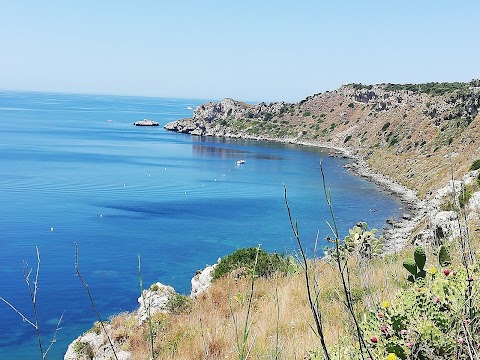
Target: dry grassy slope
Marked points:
407	135
415	148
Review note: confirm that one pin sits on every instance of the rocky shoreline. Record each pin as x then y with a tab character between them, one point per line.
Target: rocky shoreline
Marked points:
401	229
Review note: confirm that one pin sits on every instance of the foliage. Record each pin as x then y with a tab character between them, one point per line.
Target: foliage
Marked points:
416	265
385	126
426	320
267	263
475	165
307	113
84	350
393	141
444	258
360	86
464	196
360	241
179	304
432	88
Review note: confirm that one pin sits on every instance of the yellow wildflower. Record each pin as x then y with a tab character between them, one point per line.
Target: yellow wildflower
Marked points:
385	304
391	357
432	270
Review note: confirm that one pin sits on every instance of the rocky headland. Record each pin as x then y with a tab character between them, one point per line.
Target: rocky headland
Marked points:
410	139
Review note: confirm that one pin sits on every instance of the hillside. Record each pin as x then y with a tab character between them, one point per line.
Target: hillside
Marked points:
416	302
407	132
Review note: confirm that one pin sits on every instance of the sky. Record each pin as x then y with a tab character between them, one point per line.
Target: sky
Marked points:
248	50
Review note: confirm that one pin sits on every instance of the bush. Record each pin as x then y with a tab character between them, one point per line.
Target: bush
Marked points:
475	165
267	263
84	350
179	304
307	113
393	141
385	126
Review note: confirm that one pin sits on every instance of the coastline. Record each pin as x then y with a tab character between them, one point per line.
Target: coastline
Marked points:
402	228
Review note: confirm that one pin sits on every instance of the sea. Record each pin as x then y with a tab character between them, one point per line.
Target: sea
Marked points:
76	173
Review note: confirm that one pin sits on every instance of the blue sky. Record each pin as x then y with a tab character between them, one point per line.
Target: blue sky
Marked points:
247	50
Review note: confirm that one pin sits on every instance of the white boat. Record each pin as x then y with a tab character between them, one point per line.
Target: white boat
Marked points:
240	162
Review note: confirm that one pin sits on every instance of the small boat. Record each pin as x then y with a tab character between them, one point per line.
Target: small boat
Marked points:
145	122
240	162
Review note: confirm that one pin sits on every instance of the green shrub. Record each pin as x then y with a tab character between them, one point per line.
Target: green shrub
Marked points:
267	264
393	141
307	113
351	105
464	196
385	126
347	138
179	304
84	350
475	165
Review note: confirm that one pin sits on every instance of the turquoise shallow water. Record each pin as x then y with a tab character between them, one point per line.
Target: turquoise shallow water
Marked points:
75	170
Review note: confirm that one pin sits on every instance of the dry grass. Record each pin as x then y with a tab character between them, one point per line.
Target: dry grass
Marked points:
280	309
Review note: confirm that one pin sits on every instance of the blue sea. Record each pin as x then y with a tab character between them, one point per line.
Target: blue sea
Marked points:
74	170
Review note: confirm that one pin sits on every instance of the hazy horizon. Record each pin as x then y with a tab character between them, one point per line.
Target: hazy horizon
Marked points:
253	51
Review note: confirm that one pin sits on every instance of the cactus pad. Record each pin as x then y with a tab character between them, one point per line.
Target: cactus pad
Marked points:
410	265
444	256
420	257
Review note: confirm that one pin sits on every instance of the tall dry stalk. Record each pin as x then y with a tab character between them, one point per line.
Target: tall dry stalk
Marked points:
242	350
315	309
147	308
33	291
92	302
344	271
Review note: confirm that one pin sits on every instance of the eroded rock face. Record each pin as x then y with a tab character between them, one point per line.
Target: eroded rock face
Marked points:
202	280
156	299
94	346
205	117
225	108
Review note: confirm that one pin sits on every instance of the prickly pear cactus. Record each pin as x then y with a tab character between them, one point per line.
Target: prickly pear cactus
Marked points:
444	256
416	265
420	257
410	265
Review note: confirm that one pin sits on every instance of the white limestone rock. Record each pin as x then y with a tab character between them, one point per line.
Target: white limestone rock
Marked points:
96	345
202	280
156	299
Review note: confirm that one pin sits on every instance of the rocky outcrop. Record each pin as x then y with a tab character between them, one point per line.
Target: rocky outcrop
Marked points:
94	344
202	280
154	300
206	117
